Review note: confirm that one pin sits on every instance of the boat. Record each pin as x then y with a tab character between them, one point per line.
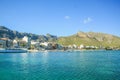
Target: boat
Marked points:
14	50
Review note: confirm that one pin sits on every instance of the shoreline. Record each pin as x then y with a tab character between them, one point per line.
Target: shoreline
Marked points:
69	50
4	50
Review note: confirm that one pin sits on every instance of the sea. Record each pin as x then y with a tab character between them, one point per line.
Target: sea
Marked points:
61	65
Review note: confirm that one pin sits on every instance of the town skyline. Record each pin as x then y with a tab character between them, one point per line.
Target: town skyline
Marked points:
61	18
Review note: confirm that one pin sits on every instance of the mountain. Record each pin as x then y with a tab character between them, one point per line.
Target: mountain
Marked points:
85	38
8	33
90	39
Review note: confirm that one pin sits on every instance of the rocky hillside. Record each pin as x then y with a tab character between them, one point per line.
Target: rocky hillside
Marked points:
5	32
87	39
91	38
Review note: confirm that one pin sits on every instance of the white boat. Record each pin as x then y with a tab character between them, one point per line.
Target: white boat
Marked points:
14	50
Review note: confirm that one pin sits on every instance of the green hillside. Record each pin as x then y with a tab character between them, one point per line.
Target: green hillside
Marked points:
89	39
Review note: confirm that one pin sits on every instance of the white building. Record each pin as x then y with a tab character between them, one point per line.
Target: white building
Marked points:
82	46
44	43
34	42
70	47
15	43
27	40
47	45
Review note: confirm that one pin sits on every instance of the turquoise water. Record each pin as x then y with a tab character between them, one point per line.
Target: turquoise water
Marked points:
79	65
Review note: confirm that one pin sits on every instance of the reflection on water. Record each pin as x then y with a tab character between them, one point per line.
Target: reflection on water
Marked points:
24	58
44	57
78	65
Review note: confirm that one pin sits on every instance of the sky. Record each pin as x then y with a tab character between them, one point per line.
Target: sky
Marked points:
61	17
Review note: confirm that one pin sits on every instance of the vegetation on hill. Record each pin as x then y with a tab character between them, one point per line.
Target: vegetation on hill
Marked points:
90	39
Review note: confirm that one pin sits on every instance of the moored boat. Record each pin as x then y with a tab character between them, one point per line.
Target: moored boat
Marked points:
14	50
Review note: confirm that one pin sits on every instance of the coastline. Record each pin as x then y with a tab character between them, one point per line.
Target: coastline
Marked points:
70	50
24	50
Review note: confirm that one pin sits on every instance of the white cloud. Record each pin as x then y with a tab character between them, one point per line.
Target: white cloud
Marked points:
67	17
87	20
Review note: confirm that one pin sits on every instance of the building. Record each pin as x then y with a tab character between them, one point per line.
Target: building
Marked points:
70	46
15	43
26	41
35	44
5	43
46	45
82	46
74	46
2	43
